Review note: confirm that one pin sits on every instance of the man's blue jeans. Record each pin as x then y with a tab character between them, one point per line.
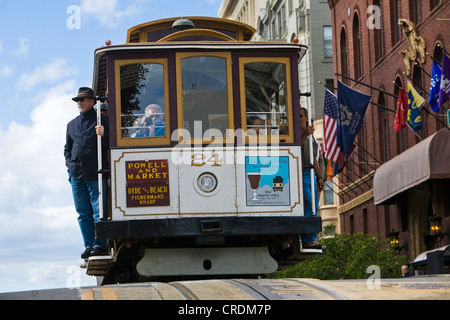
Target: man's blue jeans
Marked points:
86	198
308	202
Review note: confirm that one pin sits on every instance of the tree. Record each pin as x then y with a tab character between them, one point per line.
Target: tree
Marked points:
347	257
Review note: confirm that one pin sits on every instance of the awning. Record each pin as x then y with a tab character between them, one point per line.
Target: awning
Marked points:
429	159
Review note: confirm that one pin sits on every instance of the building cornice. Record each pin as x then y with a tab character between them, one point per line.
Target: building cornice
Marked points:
226	8
356	202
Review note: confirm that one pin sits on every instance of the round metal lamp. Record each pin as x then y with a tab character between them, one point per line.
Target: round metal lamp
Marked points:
183	24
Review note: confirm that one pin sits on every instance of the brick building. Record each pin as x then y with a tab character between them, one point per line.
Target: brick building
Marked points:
378	192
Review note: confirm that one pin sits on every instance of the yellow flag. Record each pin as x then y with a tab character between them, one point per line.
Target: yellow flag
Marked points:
415	102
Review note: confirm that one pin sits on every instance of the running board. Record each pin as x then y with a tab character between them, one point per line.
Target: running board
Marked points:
303	255
99	265
206	261
312	251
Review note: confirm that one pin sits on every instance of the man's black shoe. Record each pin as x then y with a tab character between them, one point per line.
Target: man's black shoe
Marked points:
98	252
312	245
86	253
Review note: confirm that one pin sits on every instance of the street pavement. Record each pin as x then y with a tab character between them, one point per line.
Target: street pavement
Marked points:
413	288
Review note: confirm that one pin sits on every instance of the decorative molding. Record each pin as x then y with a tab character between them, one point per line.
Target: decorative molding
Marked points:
356	202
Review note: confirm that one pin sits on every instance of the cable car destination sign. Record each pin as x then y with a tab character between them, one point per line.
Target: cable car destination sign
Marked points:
147	183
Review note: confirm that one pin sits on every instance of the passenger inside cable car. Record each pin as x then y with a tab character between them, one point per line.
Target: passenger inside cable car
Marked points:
256	126
153	120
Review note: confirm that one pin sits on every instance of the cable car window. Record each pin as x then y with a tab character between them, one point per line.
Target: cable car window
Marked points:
142	100
205	96
266	99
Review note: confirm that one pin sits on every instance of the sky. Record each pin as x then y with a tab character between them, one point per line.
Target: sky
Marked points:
47	53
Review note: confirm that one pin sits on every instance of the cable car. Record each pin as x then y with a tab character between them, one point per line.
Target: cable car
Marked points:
202	123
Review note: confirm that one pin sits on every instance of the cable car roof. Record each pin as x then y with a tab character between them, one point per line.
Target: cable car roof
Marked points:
158	30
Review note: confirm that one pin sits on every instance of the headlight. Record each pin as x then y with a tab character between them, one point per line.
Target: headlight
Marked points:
207	182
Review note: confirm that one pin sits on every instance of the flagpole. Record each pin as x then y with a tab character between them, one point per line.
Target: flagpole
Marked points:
421	68
360	177
347	186
425	109
374	103
365	150
417	135
385	92
390	94
367	85
434	59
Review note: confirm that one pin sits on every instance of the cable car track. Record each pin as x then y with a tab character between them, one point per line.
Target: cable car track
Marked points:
187	293
437	287
227	289
282	289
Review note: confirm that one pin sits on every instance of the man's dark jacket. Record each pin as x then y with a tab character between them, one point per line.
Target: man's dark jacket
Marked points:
80	150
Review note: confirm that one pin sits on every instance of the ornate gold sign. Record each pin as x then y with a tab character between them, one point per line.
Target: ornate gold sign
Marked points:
417	45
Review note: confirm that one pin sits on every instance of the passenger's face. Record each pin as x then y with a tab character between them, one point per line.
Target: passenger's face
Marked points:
303	119
85	104
258	125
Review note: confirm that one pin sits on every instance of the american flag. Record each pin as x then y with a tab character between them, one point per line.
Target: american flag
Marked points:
330	115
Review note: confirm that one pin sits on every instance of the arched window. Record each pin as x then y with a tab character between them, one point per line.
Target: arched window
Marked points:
414	14
357	47
434	4
344	55
383	130
362	152
378	37
395	15
417	74
437	53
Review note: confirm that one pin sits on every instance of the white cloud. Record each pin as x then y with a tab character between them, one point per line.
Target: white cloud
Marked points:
46	73
6	71
24	47
108	12
39	234
35	196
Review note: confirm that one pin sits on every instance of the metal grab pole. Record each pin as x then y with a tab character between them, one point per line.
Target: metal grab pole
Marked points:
99	155
311	157
311	152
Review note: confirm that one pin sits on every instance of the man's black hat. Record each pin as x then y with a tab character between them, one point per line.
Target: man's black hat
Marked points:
84	92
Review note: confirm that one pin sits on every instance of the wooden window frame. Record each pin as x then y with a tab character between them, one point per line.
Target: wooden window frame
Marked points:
283	139
180	109
142	141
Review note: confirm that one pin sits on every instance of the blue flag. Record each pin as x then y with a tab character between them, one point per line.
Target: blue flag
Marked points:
352	108
435	87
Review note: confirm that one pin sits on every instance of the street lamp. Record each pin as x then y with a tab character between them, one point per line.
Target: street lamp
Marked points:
434	235
395	242
435	226
393	238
